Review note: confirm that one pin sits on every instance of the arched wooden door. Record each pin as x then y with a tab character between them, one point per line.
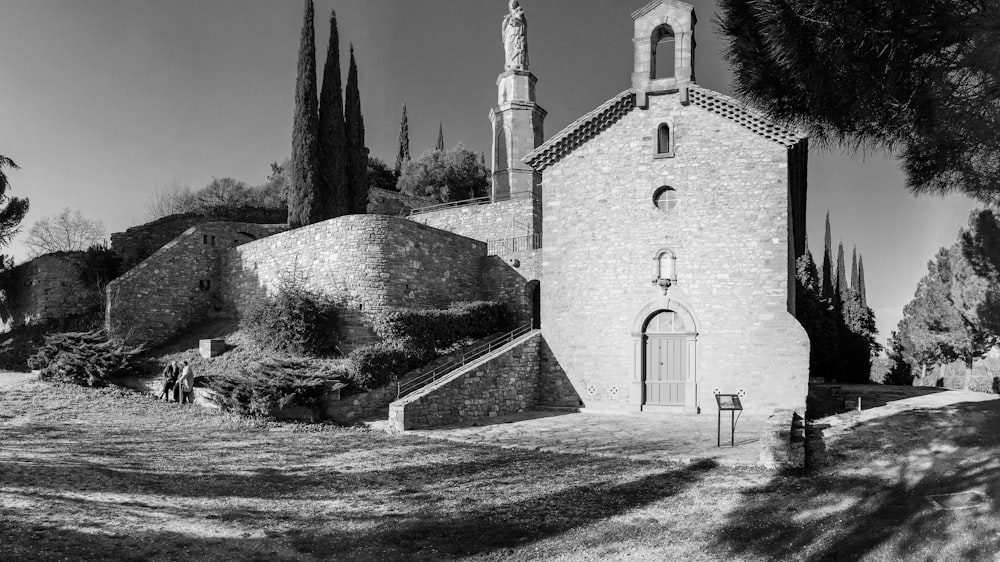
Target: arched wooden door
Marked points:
668	354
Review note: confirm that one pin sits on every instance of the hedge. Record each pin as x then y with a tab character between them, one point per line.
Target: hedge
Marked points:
377	365
433	329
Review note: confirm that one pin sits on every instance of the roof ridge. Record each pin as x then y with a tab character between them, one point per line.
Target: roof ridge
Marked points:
581	130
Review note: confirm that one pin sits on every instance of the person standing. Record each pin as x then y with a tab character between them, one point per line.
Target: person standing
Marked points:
185	384
170	373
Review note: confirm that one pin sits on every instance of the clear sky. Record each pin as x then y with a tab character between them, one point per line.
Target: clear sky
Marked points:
105	101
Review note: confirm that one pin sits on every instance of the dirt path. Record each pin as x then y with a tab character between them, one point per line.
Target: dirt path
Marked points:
10	380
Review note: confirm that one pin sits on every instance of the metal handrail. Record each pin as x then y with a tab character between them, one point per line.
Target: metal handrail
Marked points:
474	201
450	204
502	246
402	389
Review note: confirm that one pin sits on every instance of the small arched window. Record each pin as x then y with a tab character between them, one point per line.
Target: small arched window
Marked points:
662	60
665	198
664	141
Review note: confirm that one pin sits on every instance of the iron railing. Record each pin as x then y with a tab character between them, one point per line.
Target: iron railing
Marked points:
511	245
412	385
474	201
450	204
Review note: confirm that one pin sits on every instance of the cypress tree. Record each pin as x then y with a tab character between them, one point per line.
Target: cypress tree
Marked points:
303	204
854	269
403	156
843	291
861	282
440	141
332	133
827	290
357	154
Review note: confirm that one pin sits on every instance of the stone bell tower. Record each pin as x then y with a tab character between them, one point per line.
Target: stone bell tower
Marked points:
663	27
517	119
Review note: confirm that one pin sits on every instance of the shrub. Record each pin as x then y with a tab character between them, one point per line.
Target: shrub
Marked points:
295	320
266	387
376	365
432	329
84	358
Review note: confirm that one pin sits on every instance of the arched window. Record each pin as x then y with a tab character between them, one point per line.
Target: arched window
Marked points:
662	61
665	198
664	140
670	322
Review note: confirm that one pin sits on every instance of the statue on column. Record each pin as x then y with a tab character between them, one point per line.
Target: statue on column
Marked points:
515	38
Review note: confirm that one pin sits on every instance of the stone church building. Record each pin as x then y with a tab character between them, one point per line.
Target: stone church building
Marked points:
672	218
651	244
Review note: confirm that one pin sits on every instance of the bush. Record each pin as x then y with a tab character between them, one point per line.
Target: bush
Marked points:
377	365
453	175
295	320
432	329
85	358
268	386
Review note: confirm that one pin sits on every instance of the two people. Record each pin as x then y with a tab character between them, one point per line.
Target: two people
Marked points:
178	380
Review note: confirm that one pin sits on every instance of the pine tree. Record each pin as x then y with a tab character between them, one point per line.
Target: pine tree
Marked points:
861	282
357	153
13	212
332	134
440	141
404	143
303	203
842	289
827	262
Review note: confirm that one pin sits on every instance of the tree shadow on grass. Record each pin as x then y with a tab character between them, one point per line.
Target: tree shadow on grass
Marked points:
515	524
869	494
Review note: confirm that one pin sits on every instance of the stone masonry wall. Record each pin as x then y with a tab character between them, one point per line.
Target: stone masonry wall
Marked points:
554	387
140	242
178	285
49	288
504	384
729	232
507	279
520	216
369	262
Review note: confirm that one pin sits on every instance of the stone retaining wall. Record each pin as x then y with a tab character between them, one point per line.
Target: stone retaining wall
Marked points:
492	221
502	384
370	263
179	285
139	242
782	443
49	288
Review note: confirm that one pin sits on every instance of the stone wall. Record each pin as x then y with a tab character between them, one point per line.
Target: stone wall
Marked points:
48	288
510	279
729	231
140	242
179	285
500	384
370	263
554	387
501	220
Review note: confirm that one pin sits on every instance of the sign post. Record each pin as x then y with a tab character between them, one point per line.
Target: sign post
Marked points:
732	403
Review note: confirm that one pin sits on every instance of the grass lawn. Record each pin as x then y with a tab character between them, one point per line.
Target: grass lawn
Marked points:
106	474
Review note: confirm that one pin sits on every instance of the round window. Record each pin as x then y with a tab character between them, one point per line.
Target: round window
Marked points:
665	198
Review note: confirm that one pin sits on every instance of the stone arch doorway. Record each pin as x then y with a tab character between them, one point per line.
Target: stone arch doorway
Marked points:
533	291
669	340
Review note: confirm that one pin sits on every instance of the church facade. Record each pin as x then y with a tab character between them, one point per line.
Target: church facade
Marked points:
672	217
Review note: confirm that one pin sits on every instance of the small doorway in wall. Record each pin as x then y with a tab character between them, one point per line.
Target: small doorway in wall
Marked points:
668	343
534	293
